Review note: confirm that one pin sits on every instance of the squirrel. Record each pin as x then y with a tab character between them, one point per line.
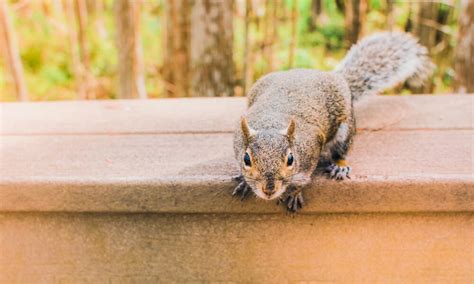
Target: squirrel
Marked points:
300	118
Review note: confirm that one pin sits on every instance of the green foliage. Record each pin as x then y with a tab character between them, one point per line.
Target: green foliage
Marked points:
32	59
55	74
377	5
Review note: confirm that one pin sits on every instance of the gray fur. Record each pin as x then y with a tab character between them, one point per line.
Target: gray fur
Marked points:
384	60
320	103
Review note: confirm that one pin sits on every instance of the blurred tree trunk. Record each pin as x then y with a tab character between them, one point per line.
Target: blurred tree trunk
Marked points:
389	15
340	5
198	60
271	33
211	49
274	36
81	14
77	66
464	60
248	62
177	47
11	53
316	10
99	20
409	23
96	10
354	21
130	65
294	34
57	6
443	33
424	28
47	9
426	32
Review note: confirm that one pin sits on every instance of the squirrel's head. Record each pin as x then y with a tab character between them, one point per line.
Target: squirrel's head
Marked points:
268	160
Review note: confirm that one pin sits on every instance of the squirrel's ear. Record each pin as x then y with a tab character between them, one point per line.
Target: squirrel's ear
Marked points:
246	130
290	130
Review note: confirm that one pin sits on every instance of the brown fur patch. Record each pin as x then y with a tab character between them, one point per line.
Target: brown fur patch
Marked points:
341	163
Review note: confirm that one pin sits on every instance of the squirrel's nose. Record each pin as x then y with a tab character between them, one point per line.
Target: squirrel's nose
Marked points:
267	191
269	187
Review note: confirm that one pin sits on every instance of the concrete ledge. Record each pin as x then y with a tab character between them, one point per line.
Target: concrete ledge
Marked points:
212	195
412	154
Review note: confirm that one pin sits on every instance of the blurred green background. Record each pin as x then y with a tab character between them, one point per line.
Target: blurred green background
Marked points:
42	30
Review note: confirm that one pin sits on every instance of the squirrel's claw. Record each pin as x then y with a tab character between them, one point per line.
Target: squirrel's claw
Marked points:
339	172
241	190
294	201
238	178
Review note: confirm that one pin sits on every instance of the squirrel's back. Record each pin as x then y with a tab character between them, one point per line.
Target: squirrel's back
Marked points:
303	94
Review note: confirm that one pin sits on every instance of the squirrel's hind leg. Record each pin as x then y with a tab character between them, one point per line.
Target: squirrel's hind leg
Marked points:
338	148
339	170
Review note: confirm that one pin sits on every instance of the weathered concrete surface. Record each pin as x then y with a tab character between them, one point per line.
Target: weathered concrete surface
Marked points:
91	191
393	171
253	248
199	115
418	142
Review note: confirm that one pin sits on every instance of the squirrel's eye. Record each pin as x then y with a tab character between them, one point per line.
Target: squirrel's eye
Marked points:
247	161
290	160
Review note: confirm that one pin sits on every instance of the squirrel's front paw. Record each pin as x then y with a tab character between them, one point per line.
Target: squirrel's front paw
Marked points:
339	171
241	190
293	200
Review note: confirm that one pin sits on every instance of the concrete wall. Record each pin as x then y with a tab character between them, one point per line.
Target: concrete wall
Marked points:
271	248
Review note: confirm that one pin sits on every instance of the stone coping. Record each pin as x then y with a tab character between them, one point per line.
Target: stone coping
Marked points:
412	154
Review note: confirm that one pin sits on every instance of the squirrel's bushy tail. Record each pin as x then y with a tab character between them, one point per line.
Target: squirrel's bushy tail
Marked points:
382	61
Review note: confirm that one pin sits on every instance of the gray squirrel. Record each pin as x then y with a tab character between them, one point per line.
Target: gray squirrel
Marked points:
300	117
